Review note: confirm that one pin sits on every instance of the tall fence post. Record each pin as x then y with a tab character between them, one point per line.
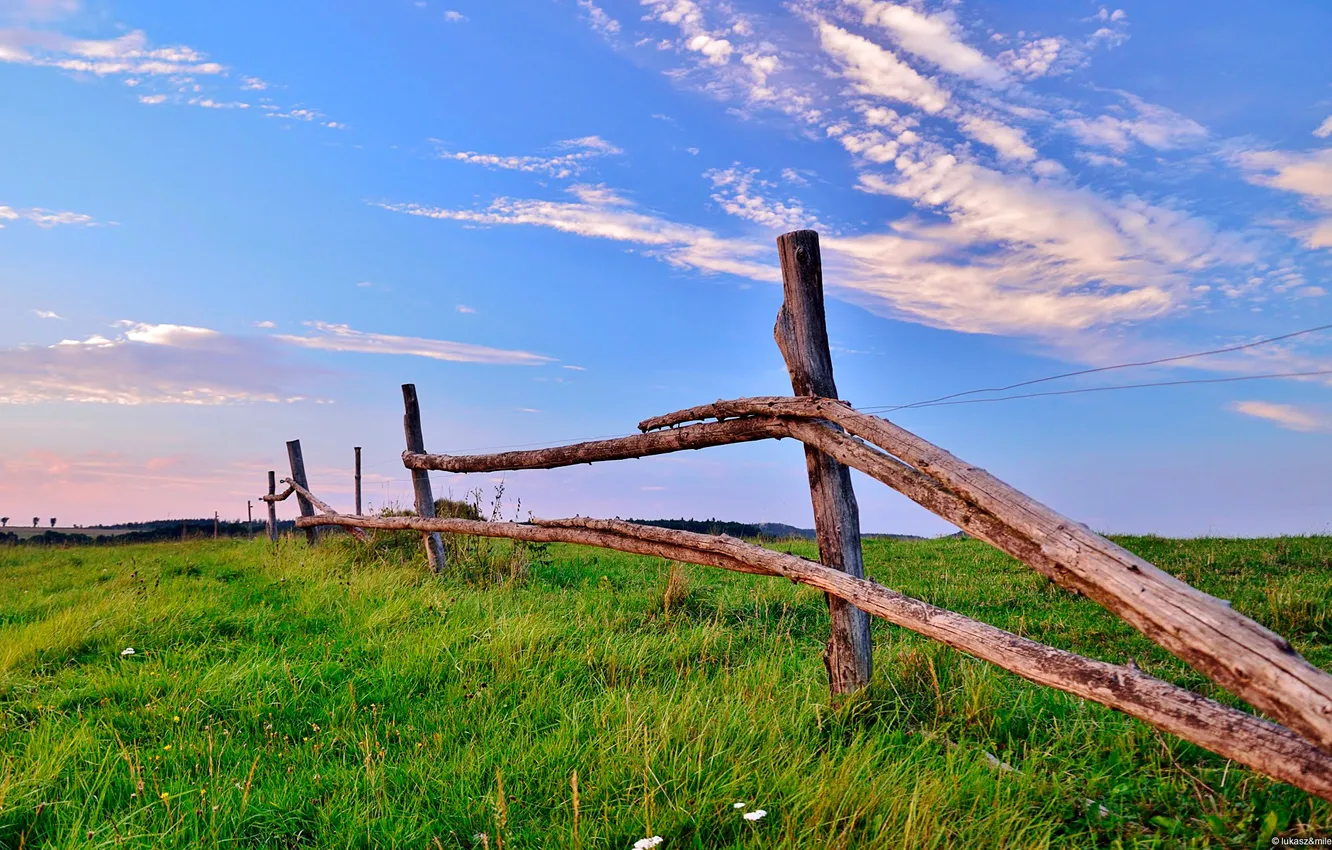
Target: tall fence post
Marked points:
425	500
272	507
358	480
802	336
298	475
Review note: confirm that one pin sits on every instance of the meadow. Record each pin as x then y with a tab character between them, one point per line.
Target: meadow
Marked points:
342	696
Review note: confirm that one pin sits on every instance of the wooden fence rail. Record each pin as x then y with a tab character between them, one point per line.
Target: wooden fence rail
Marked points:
1232	650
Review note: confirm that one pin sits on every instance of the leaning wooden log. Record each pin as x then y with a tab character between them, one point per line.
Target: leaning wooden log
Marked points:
324	508
639	445
1237	653
1234	651
1228	732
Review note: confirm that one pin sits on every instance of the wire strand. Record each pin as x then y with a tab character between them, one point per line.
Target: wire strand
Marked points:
943	403
934	401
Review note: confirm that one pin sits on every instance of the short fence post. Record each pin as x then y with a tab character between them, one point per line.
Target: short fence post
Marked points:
272	507
802	336
358	480
298	475
425	500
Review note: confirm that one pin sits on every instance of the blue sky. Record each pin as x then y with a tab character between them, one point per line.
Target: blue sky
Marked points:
232	225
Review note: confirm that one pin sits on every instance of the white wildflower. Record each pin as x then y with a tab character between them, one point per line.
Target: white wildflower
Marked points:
645	843
757	814
737	805
129	650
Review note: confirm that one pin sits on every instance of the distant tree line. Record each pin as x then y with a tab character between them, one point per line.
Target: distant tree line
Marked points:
153	531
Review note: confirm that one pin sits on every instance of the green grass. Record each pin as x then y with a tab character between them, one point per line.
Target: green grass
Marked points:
342	697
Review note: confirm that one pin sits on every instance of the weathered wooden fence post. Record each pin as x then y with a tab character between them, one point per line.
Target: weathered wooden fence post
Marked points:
802	336
425	500
298	475
272	506
358	480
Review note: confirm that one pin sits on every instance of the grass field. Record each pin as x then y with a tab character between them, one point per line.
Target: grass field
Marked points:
342	697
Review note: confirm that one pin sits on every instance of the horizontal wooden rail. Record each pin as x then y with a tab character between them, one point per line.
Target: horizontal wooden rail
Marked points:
279	497
639	445
1231	649
1228	732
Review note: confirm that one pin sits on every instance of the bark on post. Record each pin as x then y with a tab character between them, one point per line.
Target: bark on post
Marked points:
298	475
272	506
358	480
802	336
425	500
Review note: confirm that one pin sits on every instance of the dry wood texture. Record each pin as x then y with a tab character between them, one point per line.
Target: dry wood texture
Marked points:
802	335
1234	651
271	499
297	462
638	445
425	499
1233	734
325	509
357	451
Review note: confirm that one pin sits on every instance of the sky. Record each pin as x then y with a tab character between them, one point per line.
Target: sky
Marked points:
226	226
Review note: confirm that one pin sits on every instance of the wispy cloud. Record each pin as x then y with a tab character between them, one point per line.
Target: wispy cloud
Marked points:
147	364
602	214
1152	125
129	54
1288	416
46	314
934	38
455	17
331	337
580	151
1308	175
598	19
45	218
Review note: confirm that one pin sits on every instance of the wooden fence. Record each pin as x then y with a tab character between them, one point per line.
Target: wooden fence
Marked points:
1250	661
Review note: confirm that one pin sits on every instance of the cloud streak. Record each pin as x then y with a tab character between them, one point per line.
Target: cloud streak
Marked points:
331	337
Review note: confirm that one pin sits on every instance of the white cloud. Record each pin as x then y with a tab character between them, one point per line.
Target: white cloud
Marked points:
1016	256
934	38
253	84
297	114
696	37
463	308
169	335
1100	159
37	10
1287	416
46	314
455	17
739	192
265	324
560	166
1008	142
331	337
209	103
608	216
125	55
1154	126
877	72
1036	58
1308	175
597	17
45	218
148	364
152	99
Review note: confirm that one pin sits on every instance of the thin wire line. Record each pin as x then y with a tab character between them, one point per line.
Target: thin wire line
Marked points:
1178	357
942	403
